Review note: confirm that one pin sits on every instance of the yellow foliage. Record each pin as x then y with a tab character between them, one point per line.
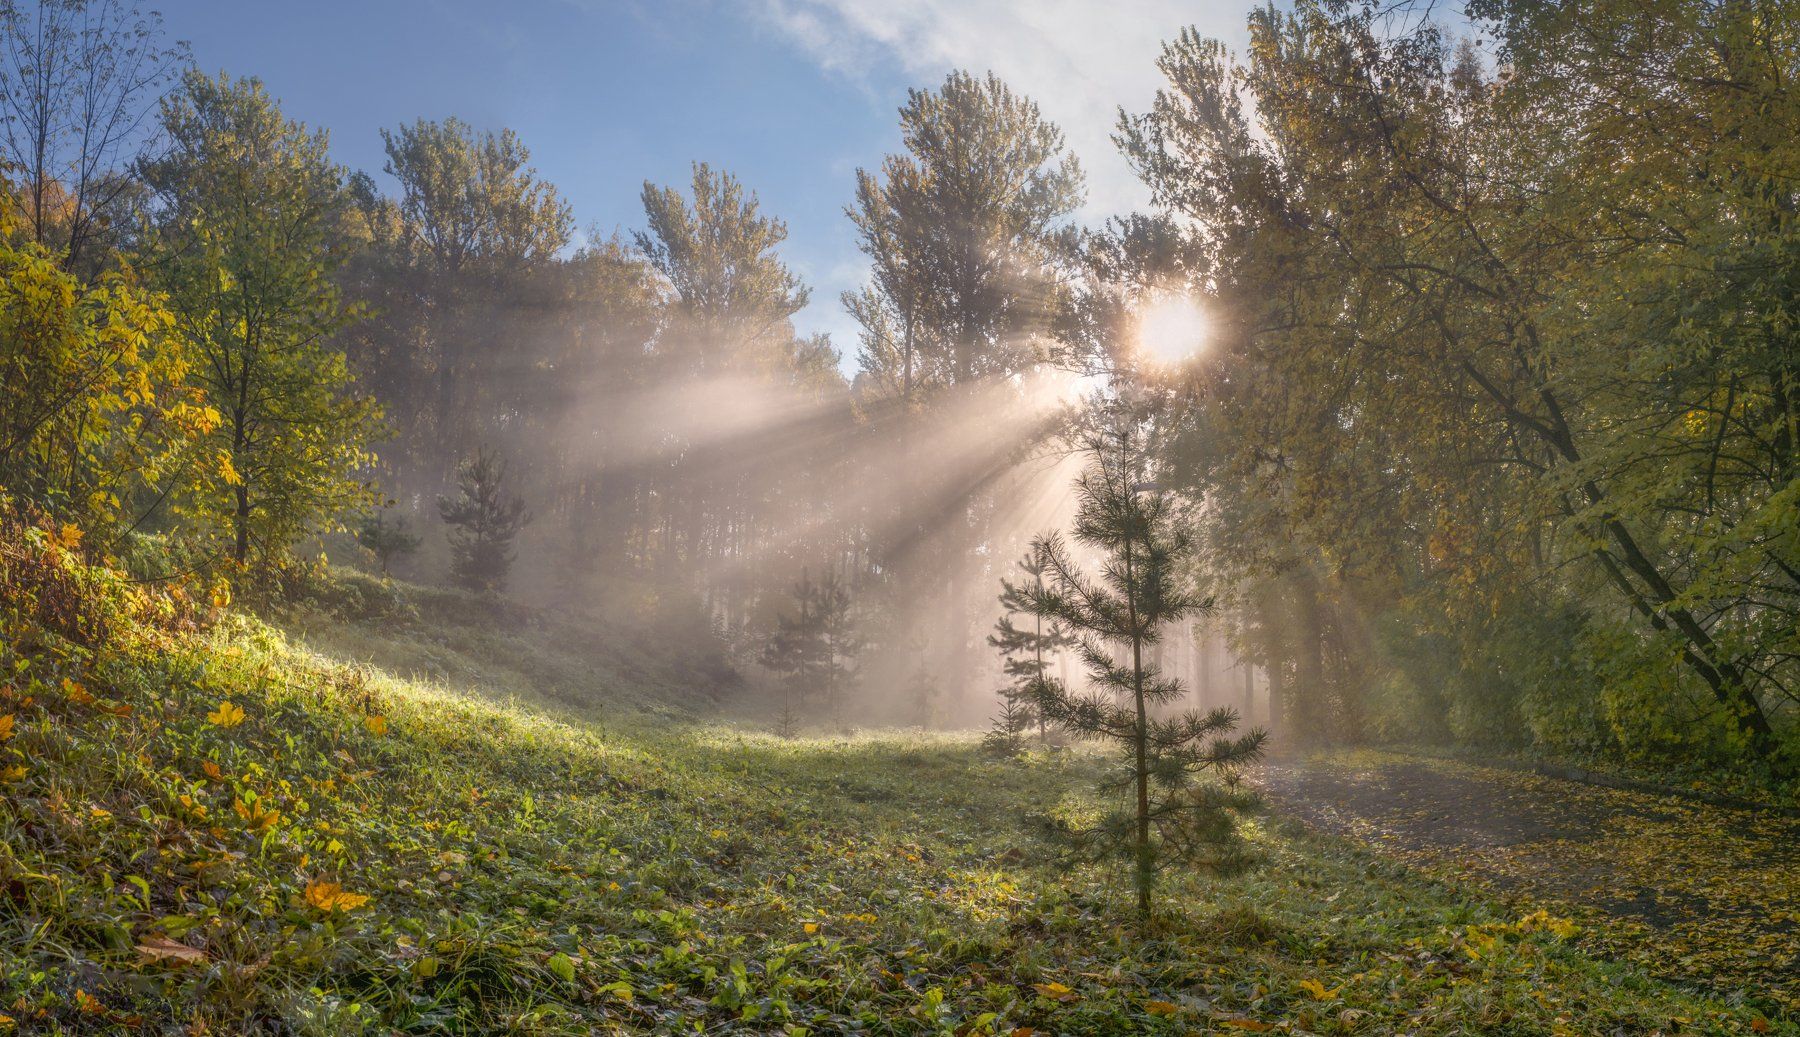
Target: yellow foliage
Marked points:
329	897
229	714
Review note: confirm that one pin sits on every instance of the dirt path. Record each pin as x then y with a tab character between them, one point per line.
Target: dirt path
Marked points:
1693	890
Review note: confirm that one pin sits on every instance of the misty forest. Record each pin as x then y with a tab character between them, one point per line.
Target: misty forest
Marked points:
1354	591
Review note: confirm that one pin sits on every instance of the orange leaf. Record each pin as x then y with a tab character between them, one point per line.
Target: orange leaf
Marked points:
1161	1007
329	897
1254	1026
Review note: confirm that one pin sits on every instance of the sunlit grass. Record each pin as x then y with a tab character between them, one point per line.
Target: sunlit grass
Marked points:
536	862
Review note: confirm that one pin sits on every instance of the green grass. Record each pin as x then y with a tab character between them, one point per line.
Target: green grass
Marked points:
547	847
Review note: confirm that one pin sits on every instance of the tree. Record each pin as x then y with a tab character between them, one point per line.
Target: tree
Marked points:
484	520
1026	653
95	405
470	198
1123	612
967	230
247	204
1496	346
963	231
79	81
733	296
386	538
813	645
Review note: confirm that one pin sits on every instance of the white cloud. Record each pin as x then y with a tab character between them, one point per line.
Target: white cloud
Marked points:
1080	60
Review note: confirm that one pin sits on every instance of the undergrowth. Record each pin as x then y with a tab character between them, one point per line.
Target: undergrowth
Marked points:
213	824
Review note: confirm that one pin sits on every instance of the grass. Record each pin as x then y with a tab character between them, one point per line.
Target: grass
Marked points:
486	849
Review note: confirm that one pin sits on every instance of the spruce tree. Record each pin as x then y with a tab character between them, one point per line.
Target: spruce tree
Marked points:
1025	652
485	519
797	649
385	537
1117	616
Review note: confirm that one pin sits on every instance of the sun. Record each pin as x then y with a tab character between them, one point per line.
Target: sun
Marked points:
1171	331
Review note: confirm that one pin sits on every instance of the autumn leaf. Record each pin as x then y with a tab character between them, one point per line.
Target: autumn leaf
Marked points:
1318	991
211	770
811	927
1252	1025
6	727
376	724
229	714
329	897
1055	991
161	948
255	815
77	694
1161	1007
13	773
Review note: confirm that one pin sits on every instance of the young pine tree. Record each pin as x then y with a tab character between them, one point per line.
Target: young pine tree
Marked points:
484	521
1025	653
837	629
1117	616
798	650
384	534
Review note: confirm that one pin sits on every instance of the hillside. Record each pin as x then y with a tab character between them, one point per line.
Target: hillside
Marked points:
217	824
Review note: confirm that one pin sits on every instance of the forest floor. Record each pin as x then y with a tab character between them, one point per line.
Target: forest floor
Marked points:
1690	890
406	811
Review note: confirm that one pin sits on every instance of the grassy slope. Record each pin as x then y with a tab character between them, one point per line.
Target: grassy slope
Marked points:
542	859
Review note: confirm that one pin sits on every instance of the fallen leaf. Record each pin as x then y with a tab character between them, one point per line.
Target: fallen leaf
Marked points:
161	948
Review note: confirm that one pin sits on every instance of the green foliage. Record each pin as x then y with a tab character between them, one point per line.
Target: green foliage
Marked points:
246	208
385	535
963	230
1176	816
1026	654
813	645
1483	331
346	851
484	520
471	199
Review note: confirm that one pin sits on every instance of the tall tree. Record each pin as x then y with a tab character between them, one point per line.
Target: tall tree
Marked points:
79	85
247	204
963	230
1534	374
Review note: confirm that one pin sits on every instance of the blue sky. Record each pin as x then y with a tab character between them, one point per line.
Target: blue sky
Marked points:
791	95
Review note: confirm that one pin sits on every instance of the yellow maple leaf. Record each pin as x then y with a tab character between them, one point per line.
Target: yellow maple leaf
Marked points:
255	816
1161	1007
211	770
377	724
76	693
329	897
13	773
1055	991
811	927
6	727
229	714
1318	991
